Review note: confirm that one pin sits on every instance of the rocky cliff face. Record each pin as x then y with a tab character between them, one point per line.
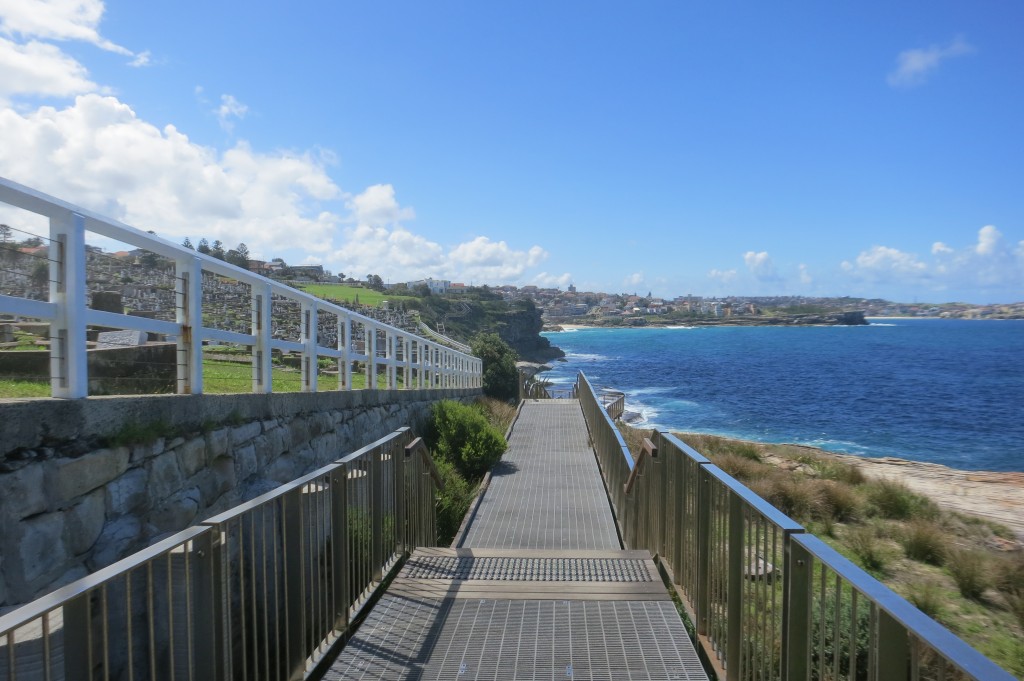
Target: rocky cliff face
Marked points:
521	329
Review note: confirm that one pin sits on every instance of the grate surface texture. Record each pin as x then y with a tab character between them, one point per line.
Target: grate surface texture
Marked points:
539	639
547	492
527	569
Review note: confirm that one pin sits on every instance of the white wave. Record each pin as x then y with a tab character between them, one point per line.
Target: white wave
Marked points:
586	357
681	327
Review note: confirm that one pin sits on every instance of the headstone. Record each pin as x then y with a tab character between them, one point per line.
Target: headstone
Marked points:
121	339
6	333
107	301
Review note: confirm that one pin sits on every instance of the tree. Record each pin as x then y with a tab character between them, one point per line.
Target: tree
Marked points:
501	378
217	250
239	256
188	244
5	233
204	246
375	282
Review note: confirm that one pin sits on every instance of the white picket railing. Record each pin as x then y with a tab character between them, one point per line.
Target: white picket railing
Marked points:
423	363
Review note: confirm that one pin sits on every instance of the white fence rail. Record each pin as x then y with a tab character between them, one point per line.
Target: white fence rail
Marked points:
423	363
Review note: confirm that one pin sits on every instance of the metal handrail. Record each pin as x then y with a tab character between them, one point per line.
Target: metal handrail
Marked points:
769	601
451	342
435	365
262	590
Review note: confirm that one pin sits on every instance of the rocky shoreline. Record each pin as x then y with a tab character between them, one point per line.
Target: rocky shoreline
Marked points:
855	318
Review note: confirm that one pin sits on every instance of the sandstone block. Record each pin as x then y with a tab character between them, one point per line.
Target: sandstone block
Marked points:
41	548
280	440
71	478
118	538
192	456
217	443
245	461
84	522
165	476
246	432
128	492
299	428
23	492
148	450
176	513
262	445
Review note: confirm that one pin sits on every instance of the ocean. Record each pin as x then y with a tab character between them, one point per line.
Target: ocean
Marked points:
936	390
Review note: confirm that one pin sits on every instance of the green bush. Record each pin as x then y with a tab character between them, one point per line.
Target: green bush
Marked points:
865	544
970	571
893	499
461	435
925	541
501	378
452	502
928	597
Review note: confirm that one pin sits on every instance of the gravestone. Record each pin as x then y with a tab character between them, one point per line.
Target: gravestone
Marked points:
6	333
107	301
121	339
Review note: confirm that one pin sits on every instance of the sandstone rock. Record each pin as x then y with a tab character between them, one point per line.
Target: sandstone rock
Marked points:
84	522
176	513
244	433
192	456
41	548
3	584
128	492
257	487
217	443
118	538
23	492
325	449
279	439
165	476
148	450
223	470
245	461
71	478
262	445
299	432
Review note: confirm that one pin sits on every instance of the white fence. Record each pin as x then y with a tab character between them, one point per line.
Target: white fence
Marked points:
422	363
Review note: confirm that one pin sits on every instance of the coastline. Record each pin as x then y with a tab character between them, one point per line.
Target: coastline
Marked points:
993	495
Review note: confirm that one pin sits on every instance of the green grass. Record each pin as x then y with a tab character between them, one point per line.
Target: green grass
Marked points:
12	388
366	296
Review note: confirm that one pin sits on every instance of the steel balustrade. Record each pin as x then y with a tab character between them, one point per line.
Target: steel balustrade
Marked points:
261	591
424	363
769	601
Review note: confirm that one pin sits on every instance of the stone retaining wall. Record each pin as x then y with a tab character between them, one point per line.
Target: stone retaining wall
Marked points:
73	499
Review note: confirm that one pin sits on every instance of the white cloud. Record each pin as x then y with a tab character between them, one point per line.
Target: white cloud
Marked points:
377	206
483	259
633	280
229	110
99	154
939	248
56	20
545	280
988	240
805	276
882	262
141	59
760	265
914	66
723	276
37	68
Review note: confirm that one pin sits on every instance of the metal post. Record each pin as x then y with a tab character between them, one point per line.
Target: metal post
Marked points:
76	639
339	546
309	352
262	376
211	648
407	356
703	586
796	611
189	298
734	624
345	340
68	360
893	648
293	549
370	334
401	491
377	513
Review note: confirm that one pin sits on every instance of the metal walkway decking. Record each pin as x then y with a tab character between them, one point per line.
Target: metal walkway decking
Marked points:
542	588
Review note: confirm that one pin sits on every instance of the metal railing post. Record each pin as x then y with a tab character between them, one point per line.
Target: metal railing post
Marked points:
212	650
339	546
734	624
797	586
68	360
77	625
262	376
309	351
377	513
189	315
294	606
703	586
370	341
893	648
401	491
407	356
345	343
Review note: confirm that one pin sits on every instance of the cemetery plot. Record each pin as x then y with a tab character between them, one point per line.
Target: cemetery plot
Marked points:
127	280
227	303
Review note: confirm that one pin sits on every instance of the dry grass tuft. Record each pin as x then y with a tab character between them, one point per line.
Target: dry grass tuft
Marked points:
925	541
970	570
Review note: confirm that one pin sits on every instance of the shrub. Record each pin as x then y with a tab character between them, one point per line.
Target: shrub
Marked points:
841	472
500	414
925	541
1010	582
839	500
865	544
969	569
461	435
797	497
927	597
893	499
501	377
452	502
743	469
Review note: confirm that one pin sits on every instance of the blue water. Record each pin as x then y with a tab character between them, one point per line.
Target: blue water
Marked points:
946	391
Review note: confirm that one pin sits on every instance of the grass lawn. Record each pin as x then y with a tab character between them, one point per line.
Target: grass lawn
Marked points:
349	293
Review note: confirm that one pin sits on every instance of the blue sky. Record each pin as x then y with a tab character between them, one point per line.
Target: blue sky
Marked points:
805	148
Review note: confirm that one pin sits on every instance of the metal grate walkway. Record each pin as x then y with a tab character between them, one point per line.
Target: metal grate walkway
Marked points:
542	588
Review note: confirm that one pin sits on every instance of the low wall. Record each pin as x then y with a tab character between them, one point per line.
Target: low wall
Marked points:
84	483
142	369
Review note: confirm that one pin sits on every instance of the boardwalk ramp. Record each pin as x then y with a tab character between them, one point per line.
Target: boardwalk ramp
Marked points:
541	587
